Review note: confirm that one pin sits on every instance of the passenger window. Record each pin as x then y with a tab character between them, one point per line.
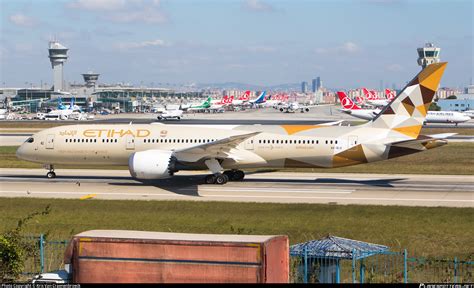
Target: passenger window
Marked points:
95	140
317	141
331	141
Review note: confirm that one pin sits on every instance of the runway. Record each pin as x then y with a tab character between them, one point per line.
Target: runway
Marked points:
277	187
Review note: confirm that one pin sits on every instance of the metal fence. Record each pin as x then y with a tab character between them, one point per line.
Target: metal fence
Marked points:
386	267
50	255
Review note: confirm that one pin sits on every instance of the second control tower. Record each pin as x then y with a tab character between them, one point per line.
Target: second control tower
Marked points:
428	55
57	56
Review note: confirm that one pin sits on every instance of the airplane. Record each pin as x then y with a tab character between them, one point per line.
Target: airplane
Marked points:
171	114
242	99
295	106
158	151
259	100
203	106
349	107
373	99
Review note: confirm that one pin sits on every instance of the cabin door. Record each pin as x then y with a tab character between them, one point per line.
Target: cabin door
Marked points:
352	142
50	141
249	144
130	143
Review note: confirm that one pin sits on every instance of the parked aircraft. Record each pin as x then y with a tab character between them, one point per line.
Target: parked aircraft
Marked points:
295	106
373	99
351	108
171	114
259	100
156	151
203	106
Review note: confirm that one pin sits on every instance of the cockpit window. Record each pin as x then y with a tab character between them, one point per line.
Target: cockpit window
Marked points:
30	140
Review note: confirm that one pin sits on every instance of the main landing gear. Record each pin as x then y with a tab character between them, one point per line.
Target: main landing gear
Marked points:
50	174
222	178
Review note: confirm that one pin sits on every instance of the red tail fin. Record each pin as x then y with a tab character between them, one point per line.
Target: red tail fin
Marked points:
374	95
245	96
346	102
367	94
390	94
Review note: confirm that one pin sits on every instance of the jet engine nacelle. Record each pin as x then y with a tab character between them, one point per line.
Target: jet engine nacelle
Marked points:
152	164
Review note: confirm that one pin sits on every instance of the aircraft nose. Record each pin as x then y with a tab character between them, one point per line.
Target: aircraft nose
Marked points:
20	152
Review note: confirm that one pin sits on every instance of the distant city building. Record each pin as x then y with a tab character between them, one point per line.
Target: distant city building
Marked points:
317	84
304	87
428	55
57	56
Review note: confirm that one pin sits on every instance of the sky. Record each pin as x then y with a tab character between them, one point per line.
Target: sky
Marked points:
262	42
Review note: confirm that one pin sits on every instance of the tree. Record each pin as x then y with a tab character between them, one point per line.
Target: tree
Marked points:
434	107
15	249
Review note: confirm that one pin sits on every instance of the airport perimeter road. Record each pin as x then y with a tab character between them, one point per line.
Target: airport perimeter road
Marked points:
282	187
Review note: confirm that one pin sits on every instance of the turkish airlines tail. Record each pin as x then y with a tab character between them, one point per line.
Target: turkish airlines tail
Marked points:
245	96
367	94
346	102
390	94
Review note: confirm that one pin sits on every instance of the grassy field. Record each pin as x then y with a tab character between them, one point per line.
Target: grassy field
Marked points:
423	231
454	158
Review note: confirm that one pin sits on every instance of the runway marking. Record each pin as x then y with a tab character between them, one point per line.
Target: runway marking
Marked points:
89	196
273	190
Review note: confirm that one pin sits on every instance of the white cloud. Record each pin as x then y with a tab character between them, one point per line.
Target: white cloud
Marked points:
147	16
124	11
143	44
349	47
394	67
346	47
98	5
261	49
22	20
258	6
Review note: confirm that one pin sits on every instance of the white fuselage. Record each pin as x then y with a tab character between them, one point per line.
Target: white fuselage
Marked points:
431	117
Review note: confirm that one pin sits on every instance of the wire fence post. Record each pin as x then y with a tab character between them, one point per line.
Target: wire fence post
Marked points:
353	267
305	279
405	267
455	269
41	240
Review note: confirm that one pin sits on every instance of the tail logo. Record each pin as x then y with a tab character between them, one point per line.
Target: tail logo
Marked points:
347	103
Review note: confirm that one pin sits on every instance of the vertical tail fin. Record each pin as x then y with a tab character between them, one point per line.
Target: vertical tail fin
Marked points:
406	113
367	94
347	102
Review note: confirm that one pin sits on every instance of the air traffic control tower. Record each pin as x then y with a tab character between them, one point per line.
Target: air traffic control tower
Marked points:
91	79
57	56
428	55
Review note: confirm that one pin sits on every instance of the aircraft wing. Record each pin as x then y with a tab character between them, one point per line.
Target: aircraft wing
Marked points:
218	149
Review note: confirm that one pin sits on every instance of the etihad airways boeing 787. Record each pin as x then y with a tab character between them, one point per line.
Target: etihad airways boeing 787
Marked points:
156	151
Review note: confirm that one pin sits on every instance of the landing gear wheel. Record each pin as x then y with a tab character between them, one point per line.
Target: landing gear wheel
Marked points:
238	175
221	179
234	175
210	179
51	175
